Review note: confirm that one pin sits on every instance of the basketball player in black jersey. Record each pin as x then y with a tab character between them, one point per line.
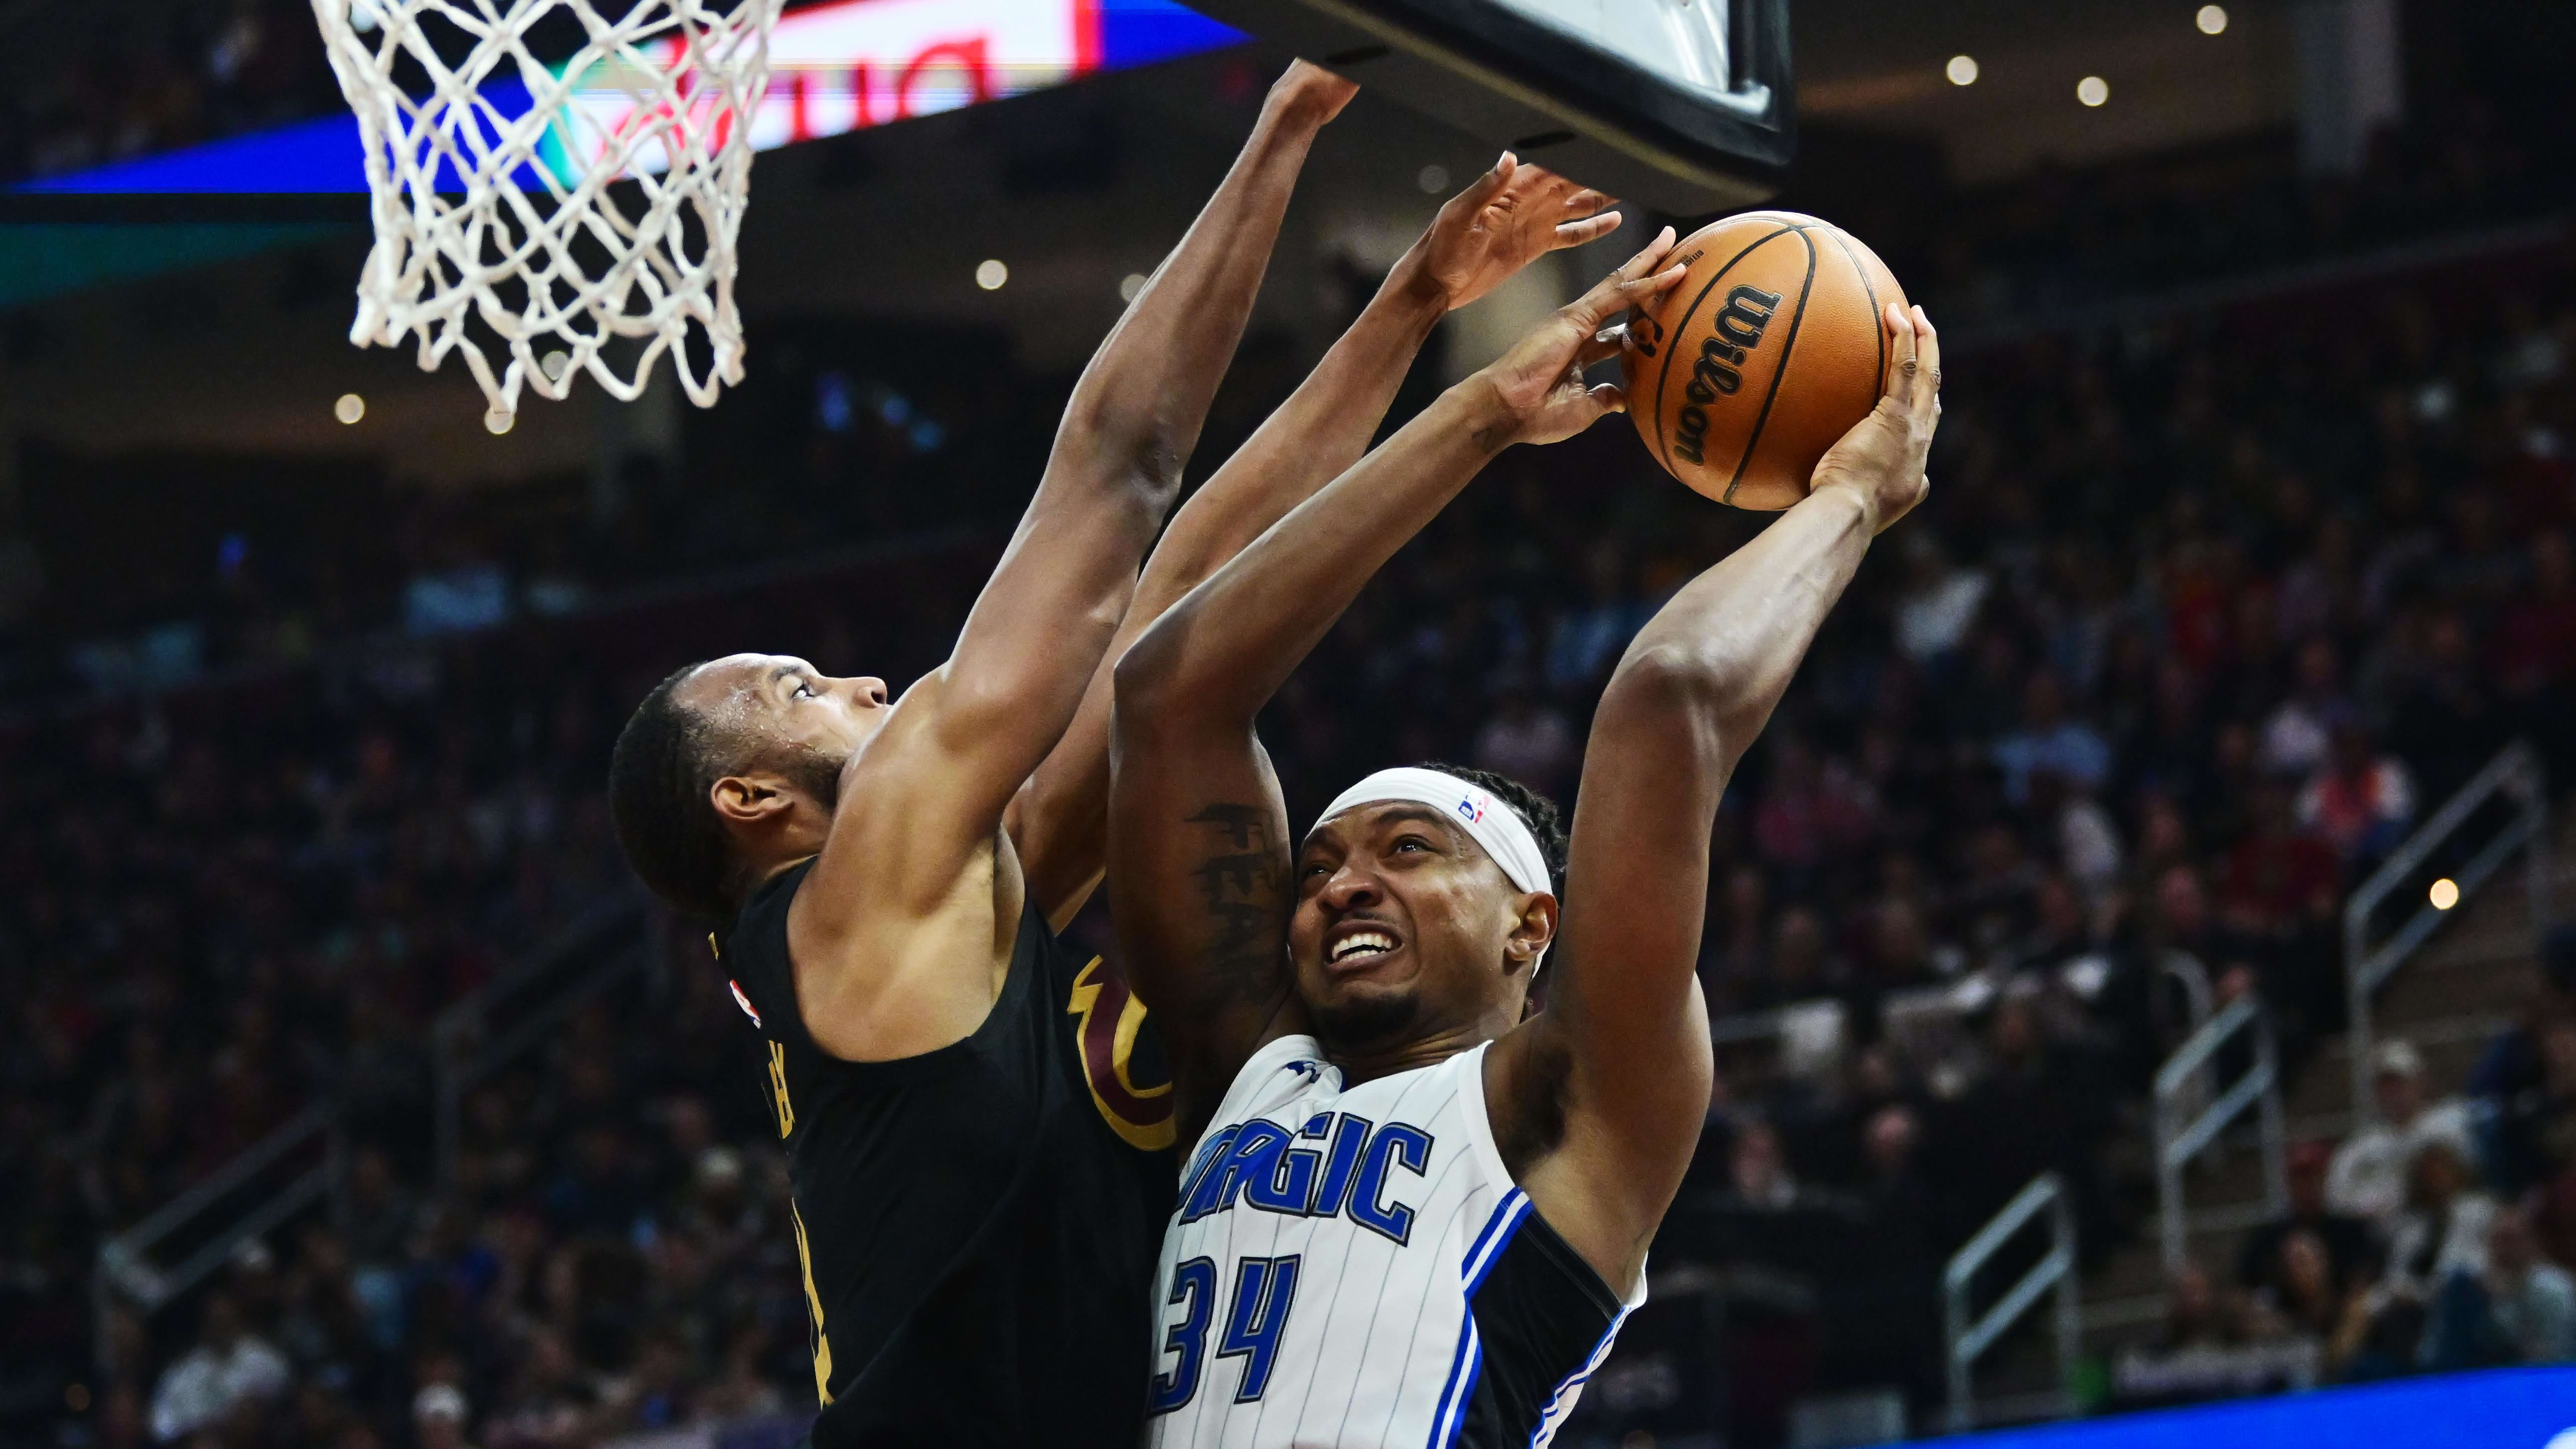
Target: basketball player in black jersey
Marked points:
980	1176
1395	940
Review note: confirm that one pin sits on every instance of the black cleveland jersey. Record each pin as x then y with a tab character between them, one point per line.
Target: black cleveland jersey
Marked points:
978	1224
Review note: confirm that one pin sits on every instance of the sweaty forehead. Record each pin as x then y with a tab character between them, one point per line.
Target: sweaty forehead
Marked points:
733	685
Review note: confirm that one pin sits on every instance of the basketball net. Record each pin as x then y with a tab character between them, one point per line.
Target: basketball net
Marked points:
487	211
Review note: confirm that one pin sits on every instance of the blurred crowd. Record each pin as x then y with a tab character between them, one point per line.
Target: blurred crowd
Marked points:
2205	612
2437	1238
229	905
149	78
2094	747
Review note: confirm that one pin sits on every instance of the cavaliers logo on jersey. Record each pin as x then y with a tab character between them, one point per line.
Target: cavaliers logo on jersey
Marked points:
1107	1019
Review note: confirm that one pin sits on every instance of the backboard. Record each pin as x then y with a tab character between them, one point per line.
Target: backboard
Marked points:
1683	105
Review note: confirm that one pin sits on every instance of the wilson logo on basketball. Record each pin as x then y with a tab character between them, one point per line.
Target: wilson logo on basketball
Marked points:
1739	327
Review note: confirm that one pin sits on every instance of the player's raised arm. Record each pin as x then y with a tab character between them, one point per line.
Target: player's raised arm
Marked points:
1198	836
1507	218
1623	1044
924	796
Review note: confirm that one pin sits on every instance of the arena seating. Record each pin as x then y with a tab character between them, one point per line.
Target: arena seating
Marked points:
2148	685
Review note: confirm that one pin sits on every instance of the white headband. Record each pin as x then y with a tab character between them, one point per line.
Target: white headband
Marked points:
1494	825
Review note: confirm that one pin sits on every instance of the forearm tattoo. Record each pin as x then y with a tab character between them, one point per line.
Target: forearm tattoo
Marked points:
1239	881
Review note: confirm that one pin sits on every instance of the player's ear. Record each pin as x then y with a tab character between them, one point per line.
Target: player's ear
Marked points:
750	800
1536	928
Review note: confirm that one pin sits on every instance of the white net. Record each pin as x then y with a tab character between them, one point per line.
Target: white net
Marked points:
497	233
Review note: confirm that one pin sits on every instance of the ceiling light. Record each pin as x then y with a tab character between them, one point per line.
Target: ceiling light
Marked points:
2212	19
991	274
2444	894
1962	70
349	408
498	421
2092	90
1129	285
1433	179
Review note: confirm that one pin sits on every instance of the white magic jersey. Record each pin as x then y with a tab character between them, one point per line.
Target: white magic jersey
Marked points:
1357	1268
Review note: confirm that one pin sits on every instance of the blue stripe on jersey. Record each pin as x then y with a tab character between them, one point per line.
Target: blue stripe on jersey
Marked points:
1469	1360
1561	1403
1489	1243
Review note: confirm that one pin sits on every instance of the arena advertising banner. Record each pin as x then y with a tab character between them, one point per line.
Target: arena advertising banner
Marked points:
835	67
2532	1408
844	66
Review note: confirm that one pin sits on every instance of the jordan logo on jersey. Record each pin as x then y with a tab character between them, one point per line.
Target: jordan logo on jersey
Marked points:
1338	1165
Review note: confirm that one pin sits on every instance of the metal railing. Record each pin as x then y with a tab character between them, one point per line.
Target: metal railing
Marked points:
2181	1092
2515	775
315	1139
125	1268
534	998
1966	1341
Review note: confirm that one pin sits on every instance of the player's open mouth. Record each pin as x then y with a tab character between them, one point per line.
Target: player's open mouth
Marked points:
1360	945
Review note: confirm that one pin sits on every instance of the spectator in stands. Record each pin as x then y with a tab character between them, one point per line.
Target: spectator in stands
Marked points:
2519	1309
1758	1177
2049	740
1940	601
2511	1064
2279	894
2349	1247
2369	1178
2443	1228
1811	810
2360	800
2297	734
231	1370
2086	839
2197	1313
2037	1108
2536	1127
1528	740
438	1418
2300	1295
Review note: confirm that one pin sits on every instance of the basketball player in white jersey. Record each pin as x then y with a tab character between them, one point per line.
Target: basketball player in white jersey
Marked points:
1415	1214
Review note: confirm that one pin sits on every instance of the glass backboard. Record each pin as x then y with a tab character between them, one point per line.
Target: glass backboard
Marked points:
1684	105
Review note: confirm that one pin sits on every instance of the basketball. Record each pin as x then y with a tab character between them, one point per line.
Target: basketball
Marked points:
1768	352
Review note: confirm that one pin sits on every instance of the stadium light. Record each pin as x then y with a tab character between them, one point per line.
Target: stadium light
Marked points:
1962	70
2092	90
990	274
2445	893
2212	19
349	408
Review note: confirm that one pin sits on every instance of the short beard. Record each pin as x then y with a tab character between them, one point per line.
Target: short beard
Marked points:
1369	1021
808	770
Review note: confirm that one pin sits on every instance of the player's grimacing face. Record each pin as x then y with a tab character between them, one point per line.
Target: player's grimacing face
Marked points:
1402	926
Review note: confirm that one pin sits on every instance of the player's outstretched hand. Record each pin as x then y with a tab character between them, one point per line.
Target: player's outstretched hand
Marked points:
1882	456
1539	383
1310	94
1506	219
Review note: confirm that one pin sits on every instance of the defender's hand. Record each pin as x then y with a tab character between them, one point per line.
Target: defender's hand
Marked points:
1508	218
1537	388
1310	94
1881	458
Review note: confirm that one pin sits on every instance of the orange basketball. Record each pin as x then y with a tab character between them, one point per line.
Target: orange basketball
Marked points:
1767	353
